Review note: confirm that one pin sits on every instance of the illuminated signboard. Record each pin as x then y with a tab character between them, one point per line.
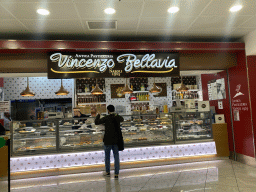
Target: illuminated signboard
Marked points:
79	65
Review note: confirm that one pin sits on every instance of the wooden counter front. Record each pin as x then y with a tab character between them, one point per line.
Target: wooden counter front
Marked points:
220	136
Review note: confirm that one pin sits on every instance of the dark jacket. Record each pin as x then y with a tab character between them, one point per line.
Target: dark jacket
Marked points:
111	134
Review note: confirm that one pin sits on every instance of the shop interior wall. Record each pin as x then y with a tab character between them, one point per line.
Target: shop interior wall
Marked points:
251	64
243	131
226	105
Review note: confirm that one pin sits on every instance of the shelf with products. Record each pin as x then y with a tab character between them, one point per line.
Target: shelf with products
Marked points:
132	102
139	84
100	103
86	85
82	94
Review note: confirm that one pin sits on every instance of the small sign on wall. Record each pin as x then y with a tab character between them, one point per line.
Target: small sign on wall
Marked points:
4	106
236	115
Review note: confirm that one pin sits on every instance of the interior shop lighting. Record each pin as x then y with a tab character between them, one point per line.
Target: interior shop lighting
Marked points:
127	89
97	90
109	11
173	9
182	87
235	8
27	92
155	89
62	90
43	11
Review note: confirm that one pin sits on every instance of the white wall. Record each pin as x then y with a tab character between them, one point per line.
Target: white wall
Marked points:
43	87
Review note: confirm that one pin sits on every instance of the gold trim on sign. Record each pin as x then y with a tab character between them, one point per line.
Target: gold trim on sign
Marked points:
153	71
73	71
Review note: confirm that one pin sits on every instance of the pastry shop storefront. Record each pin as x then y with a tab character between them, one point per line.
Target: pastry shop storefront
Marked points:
166	119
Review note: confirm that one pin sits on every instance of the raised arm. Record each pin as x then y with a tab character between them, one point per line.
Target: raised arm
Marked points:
99	120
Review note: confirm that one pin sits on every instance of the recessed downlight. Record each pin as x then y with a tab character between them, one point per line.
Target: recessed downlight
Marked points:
43	11
235	8
173	9
109	11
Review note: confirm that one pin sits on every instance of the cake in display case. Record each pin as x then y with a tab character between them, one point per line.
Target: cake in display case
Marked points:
193	125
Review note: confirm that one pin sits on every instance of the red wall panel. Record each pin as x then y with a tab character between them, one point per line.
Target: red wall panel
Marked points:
1	82
242	129
226	106
251	63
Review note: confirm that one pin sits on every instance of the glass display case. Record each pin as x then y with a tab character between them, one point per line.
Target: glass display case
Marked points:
59	135
81	134
192	125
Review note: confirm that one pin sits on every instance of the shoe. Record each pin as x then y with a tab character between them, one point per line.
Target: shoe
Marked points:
116	176
106	174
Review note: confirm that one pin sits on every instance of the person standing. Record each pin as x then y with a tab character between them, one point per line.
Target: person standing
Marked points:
110	139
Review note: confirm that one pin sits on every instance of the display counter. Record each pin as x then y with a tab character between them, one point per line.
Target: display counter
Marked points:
69	143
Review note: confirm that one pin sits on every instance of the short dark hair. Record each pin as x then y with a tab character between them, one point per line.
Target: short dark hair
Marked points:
111	108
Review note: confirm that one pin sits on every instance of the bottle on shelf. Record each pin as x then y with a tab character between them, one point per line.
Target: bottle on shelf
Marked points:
142	88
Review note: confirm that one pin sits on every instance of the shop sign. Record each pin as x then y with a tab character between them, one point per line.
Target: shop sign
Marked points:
4	106
79	65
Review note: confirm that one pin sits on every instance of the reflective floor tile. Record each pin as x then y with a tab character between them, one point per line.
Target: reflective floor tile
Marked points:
221	180
247	189
220	188
41	189
194	188
245	182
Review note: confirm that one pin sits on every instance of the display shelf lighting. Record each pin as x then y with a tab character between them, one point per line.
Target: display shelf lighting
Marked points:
62	90
127	89
97	90
27	92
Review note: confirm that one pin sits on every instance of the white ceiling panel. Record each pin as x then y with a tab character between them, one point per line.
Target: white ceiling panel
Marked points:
96	10
34	1
218	22
28	10
15	26
249	23
221	7
54	26
4	14
187	7
159	32
242	31
180	23
127	24
196	18
209	32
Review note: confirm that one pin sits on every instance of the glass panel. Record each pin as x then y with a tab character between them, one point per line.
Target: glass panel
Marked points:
193	125
34	136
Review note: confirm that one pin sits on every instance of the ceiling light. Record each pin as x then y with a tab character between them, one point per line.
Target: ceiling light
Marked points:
62	90
27	92
182	87
97	90
155	89
127	89
109	11
235	8
43	12
173	9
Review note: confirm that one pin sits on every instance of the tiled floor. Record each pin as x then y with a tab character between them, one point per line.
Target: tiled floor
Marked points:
220	175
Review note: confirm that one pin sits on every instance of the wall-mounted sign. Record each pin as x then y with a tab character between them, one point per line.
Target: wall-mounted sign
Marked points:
4	106
80	65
